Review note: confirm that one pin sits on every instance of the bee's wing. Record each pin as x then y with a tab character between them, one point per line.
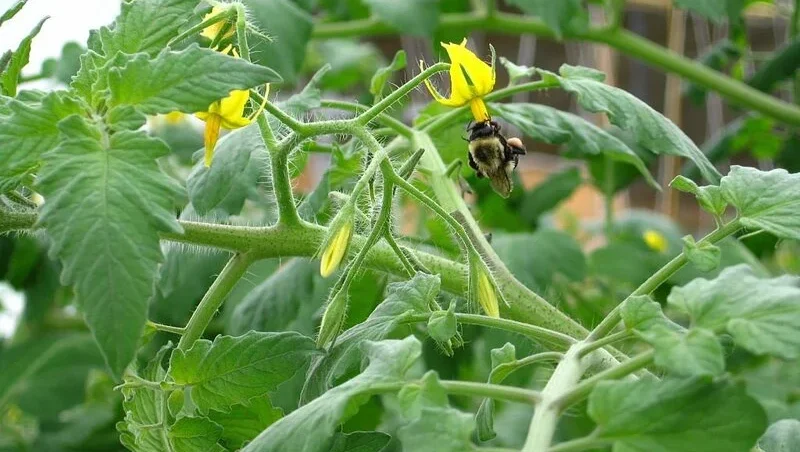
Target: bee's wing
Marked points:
500	182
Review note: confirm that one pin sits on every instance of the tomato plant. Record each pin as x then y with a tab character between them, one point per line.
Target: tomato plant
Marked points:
182	295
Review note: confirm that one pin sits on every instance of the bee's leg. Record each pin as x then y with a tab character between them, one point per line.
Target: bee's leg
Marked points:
495	126
469	125
474	166
516	161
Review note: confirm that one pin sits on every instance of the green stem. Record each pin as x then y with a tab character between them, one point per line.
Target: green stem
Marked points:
604	341
366	117
622	40
526	361
658	278
16	220
407	265
167	328
437	209
492	391
213	300
545	418
384	216
582	390
241	32
383	118
281	181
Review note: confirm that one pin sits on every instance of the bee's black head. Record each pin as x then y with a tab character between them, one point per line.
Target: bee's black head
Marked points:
483	129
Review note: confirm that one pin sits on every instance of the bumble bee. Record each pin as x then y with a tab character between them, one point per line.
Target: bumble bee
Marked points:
492	155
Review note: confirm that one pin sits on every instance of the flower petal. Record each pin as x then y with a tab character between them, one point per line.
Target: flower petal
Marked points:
232	107
470	76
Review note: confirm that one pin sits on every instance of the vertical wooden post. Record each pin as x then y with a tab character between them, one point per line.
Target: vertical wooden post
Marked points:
670	165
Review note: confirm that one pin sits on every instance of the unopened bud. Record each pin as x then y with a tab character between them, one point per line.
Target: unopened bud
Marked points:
335	246
483	288
333	319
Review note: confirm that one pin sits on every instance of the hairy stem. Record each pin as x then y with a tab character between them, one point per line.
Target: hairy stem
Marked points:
582	390
213	299
279	165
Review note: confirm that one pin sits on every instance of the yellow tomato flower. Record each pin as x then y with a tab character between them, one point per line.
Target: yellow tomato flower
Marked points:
212	31
470	79
655	240
335	249
227	113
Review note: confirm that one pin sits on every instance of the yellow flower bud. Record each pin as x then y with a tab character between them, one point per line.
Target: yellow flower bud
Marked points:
655	240
484	289
336	246
470	80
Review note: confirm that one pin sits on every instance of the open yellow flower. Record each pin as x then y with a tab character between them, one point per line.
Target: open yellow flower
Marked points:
470	79
227	113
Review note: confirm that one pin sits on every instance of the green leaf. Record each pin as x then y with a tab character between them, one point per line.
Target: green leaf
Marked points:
438	430
412	17
768	200
245	421
782	436
287	301
564	17
705	257
709	196
503	364
144	428
233	370
47	375
676	415
240	160
382	76
762	315
311	427
191	434
687	353
681	352
403	299
188	80
107	201
536	258
652	130
29	132
431	425
583	138
557	188
442	326
517	72
715	10
145	26
19	59
12	11
290	28
360	442
641	313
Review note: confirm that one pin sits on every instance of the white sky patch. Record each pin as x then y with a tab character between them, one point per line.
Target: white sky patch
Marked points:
12	302
70	20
